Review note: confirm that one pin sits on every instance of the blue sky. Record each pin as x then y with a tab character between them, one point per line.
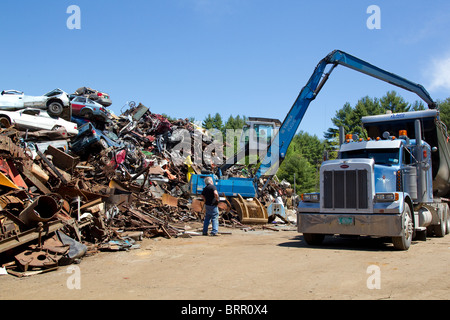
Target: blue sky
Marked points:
188	58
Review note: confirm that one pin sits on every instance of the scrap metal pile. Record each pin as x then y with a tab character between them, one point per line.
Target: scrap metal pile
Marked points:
106	188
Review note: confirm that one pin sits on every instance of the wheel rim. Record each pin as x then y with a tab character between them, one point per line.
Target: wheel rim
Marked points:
407	225
55	108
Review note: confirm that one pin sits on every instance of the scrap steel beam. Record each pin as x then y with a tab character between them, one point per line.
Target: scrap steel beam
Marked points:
29	235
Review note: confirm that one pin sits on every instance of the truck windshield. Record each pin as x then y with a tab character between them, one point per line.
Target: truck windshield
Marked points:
381	156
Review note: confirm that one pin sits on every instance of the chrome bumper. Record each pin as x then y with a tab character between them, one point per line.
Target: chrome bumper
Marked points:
382	225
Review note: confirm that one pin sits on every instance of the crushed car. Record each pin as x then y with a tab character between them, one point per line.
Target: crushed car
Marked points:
90	139
34	120
99	97
55	101
87	108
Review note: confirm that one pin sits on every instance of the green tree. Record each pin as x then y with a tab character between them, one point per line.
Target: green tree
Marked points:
394	103
208	123
235	122
218	124
417	106
211	122
309	146
305	173
347	118
444	111
303	158
350	117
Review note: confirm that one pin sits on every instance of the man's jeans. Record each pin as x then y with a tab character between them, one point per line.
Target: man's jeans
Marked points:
212	214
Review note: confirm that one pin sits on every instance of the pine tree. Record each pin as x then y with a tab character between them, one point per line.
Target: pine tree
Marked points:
350	117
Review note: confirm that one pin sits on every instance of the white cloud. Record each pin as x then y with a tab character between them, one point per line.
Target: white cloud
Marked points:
439	73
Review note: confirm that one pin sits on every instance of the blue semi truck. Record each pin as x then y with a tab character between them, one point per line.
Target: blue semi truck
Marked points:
393	184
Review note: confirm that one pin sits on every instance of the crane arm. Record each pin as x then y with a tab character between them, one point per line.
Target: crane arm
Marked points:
277	149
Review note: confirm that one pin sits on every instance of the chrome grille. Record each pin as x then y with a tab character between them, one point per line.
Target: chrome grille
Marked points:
345	189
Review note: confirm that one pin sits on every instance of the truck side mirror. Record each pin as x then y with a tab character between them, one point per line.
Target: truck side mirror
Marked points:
434	149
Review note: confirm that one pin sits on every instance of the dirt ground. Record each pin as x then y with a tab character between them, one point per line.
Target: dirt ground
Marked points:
253	265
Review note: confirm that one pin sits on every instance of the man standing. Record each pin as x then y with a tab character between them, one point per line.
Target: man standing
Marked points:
211	198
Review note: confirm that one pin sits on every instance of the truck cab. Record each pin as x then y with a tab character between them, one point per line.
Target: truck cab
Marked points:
381	187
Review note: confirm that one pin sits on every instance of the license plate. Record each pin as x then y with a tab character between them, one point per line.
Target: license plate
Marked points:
346	221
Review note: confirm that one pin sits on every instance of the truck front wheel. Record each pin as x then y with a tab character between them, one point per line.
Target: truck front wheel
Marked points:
404	241
313	238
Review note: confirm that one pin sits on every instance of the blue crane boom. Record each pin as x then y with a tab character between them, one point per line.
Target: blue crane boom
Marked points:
277	150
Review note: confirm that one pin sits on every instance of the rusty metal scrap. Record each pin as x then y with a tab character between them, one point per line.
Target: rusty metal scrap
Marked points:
41	210
99	198
37	259
46	254
11	148
167	199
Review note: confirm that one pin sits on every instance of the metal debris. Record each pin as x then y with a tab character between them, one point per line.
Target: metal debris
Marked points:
57	206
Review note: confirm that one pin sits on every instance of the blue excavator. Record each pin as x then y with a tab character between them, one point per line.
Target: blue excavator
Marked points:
243	192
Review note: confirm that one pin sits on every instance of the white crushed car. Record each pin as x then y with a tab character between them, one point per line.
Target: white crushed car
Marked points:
36	119
54	101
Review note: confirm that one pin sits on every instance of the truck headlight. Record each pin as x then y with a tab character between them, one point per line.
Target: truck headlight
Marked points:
386	197
311	197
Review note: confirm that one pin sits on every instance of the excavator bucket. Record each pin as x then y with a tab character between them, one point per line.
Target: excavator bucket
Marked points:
250	211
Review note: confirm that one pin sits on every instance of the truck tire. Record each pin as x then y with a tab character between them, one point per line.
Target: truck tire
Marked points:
440	230
313	238
404	241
